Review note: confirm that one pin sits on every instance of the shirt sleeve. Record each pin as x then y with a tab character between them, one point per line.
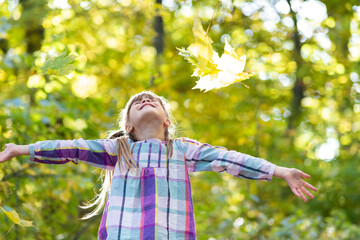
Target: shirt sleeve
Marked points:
204	157
99	153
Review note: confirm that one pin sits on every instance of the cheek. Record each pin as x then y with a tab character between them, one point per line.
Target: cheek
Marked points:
131	115
164	113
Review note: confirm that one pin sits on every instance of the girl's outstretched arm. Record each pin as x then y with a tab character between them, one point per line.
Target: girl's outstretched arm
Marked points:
293	177
204	157
12	150
99	153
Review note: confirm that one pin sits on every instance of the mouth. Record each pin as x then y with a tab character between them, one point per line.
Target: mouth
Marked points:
145	104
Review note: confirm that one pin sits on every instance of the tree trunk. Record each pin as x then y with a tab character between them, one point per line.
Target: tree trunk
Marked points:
299	87
32	17
159	29
158	43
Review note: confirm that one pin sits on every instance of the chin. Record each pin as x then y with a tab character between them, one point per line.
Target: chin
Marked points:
149	115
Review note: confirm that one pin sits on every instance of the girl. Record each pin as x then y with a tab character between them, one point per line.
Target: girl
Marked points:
147	181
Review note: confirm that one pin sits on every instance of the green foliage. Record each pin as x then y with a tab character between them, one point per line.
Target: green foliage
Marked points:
48	94
60	65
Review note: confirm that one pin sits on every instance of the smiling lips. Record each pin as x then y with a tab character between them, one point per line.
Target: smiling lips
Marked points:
145	105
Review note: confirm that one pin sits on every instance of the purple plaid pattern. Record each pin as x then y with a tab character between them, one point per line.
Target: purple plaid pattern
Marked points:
155	202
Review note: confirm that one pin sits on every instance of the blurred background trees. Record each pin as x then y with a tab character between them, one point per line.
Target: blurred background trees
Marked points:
68	66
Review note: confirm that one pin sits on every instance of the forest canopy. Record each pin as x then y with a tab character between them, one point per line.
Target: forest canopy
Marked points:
67	67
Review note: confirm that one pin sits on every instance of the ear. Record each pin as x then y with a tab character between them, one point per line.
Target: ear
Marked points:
129	128
167	123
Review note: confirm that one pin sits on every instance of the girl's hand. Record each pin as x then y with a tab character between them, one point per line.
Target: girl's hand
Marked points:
8	153
293	177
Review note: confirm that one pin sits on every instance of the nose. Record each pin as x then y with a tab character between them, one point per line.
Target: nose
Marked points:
145	100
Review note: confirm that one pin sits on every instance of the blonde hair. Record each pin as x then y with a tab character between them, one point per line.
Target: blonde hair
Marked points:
123	148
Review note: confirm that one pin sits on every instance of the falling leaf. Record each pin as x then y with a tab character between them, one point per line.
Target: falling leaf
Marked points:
228	70
230	61
213	71
201	48
14	216
60	65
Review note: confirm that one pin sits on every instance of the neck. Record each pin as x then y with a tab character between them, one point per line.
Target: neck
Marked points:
148	132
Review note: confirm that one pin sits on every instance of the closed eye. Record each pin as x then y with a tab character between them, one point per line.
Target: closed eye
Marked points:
152	100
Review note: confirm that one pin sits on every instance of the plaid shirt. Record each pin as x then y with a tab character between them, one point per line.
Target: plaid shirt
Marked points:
156	201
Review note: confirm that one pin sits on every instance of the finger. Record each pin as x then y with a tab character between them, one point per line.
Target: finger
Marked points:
295	192
304	190
2	158
304	175
308	185
298	193
302	195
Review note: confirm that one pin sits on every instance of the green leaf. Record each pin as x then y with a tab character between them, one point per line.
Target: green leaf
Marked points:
60	65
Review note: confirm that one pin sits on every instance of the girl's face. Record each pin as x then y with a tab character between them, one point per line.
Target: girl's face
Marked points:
147	109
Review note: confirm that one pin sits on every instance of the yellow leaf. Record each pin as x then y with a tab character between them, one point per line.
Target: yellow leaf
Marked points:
14	216
201	48
25	223
214	72
220	80
208	82
228	70
230	61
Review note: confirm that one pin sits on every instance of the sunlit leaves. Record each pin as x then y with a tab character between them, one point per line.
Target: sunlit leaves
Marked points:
15	218
214	72
60	65
114	42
